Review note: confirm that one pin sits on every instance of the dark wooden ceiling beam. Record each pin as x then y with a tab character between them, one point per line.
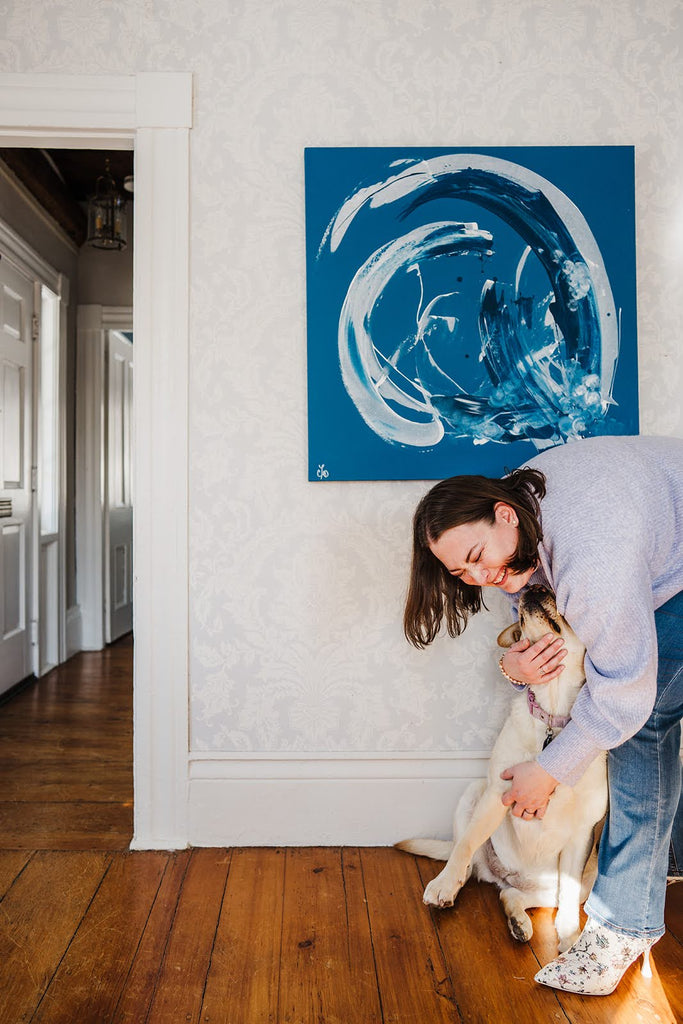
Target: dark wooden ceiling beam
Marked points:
36	174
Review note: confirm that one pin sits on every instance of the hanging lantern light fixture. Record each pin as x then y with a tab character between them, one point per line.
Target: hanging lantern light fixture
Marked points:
107	214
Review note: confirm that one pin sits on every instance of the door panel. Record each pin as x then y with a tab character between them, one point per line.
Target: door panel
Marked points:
16	312
13	433
119	506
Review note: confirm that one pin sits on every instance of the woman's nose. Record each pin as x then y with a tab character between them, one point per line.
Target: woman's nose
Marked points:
479	575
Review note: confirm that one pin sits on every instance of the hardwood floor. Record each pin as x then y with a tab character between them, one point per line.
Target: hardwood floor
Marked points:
66	776
95	934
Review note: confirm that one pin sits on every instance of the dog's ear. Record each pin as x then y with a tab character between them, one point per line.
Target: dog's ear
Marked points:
510	635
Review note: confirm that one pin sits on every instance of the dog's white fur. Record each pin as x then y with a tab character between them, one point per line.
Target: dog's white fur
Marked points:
542	862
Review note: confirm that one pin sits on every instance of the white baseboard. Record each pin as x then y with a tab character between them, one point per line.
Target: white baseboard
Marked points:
74	631
285	800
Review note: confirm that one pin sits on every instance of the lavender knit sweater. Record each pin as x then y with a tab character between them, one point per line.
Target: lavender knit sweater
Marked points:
612	551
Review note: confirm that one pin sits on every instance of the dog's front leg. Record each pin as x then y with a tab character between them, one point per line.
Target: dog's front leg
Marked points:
572	862
487	816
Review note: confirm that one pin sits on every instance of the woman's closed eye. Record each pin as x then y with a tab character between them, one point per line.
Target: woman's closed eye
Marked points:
459	573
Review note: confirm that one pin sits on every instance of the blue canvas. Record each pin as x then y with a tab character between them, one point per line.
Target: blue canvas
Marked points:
466	308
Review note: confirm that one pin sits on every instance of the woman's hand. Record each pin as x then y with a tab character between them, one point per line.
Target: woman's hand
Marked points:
531	789
535	664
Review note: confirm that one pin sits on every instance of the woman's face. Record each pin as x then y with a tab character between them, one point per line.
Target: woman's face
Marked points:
478	553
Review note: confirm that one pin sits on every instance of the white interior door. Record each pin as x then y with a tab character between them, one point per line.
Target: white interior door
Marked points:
16	499
119	486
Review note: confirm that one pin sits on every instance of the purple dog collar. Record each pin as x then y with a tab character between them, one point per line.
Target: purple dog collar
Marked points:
552	721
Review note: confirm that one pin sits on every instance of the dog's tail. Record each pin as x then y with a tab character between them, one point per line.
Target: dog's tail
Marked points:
437	849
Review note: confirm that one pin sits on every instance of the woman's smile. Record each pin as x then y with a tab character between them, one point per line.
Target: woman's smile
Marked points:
478	553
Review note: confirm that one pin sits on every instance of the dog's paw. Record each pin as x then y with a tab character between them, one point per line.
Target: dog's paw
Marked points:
441	892
566	941
520	927
567	927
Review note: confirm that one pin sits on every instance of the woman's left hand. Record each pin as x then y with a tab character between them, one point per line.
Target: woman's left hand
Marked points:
531	789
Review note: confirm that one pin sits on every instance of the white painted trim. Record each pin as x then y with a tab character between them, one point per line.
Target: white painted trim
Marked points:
98	110
29	263
50	138
68	102
369	800
63	293
160	518
163	100
117	318
90	349
73	631
380	765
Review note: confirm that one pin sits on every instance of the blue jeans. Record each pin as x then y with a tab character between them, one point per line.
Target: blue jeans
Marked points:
644	777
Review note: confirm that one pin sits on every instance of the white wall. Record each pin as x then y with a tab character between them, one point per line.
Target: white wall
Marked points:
312	720
105	278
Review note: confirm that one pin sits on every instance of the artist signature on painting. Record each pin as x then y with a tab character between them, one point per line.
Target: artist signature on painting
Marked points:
322	474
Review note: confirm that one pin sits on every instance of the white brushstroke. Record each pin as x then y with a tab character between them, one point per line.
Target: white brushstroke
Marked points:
364	377
425	172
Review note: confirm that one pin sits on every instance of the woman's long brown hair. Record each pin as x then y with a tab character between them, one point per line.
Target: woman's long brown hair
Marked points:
434	596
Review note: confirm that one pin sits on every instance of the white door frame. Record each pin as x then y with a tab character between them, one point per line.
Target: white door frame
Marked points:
93	323
153	112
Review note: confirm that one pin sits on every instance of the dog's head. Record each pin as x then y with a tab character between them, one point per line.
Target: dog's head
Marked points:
538	615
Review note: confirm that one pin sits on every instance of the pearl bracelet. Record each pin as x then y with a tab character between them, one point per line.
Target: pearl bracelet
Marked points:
509	678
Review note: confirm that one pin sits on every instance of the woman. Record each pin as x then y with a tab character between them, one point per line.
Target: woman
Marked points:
601	522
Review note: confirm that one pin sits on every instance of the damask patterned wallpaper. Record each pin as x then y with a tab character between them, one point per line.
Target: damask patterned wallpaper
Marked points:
297	588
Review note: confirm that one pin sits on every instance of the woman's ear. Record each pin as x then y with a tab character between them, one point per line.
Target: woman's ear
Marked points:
510	635
505	513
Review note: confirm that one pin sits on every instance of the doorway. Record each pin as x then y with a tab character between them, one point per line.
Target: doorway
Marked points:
154	110
56	491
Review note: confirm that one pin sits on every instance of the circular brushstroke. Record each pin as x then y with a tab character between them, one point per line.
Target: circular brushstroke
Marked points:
547	362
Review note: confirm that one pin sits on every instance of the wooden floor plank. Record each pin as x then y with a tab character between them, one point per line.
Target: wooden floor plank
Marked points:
674	909
491	972
38	918
71	727
65	826
413	978
81	749
180	986
361	952
242	984
90	978
665	991
140	985
327	971
11	863
68	782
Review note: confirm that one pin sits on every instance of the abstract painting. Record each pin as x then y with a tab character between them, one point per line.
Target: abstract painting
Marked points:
466	308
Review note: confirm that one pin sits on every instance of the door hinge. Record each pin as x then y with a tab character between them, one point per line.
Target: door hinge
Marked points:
34	631
35	327
34	479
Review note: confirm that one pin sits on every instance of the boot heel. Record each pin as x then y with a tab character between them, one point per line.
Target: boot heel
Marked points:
646	969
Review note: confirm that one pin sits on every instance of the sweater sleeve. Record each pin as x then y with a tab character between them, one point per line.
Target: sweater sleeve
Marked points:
605	594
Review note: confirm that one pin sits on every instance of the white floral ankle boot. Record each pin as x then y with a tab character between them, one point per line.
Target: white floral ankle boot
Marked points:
596	962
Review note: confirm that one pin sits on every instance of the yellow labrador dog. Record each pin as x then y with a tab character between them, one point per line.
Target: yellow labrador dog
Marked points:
542	862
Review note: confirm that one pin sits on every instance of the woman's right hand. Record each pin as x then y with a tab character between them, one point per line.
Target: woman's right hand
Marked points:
535	664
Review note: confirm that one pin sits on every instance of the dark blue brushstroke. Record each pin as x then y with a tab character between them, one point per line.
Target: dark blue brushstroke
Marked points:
531	214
